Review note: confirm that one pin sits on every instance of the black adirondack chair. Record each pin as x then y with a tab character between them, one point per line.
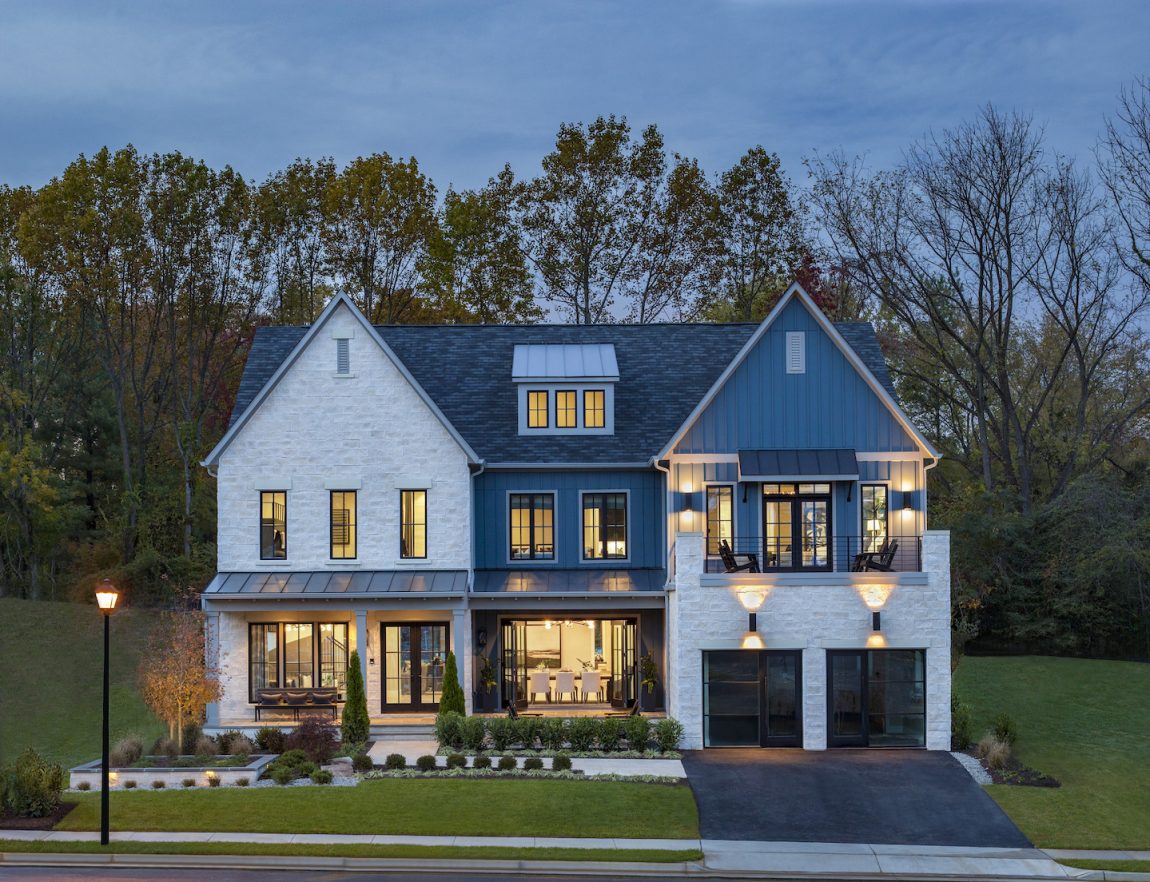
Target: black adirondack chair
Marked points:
884	561
731	560
860	560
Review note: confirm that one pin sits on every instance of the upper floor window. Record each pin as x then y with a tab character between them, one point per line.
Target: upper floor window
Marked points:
532	526
273	525
537	409
720	517
594	409
874	516
413	524
343	525
604	526
565	412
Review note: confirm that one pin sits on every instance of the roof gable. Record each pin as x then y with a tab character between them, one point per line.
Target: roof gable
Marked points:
837	401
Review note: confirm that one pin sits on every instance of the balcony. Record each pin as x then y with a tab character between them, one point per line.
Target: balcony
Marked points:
817	557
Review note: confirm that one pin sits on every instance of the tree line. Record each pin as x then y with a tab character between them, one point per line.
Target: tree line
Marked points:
1010	286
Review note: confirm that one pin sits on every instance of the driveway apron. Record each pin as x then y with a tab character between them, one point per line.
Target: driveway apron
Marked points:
898	797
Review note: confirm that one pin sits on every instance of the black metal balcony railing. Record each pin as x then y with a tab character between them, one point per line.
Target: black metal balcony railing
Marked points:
839	554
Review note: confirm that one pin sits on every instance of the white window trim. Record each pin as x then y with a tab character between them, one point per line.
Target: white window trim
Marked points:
607	561
531	562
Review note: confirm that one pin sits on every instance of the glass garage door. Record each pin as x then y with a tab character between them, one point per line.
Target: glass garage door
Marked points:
877	697
751	698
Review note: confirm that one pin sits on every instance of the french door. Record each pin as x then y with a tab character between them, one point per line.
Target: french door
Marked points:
624	690
797	528
414	658
513	667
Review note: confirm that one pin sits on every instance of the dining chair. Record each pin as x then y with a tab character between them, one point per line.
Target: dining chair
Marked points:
538	682
591	684
565	685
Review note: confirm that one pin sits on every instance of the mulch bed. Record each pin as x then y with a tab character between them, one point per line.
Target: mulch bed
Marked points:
1016	773
9	822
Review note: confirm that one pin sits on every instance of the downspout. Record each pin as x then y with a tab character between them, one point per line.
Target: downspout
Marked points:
664	466
925	468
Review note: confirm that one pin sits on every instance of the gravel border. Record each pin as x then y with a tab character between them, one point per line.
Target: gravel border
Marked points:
977	772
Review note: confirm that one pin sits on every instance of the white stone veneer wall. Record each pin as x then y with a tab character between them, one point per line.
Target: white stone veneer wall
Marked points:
812	618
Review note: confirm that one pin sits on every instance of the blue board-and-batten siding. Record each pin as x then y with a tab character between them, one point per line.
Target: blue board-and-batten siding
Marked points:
761	405
645	514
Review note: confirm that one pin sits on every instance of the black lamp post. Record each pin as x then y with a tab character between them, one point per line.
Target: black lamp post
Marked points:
106	597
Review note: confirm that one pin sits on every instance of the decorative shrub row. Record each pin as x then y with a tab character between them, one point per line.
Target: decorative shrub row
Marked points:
581	734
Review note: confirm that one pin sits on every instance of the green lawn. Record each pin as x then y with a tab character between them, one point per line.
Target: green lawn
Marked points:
51	657
1115	866
1087	723
418	852
410	806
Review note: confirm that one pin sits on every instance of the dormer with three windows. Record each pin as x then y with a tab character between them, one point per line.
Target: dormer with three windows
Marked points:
565	389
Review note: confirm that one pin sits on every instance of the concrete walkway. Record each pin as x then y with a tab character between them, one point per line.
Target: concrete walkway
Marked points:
790	860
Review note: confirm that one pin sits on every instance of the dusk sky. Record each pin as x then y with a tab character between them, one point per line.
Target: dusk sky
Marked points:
469	86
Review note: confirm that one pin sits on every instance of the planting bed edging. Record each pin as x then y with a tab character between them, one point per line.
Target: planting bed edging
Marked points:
173	777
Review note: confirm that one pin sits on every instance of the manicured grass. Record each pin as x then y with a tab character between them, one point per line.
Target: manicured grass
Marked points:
424	852
1115	866
51	657
1084	722
409	806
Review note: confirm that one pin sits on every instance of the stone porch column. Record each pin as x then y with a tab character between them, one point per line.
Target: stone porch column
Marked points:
684	671
361	639
461	646
936	564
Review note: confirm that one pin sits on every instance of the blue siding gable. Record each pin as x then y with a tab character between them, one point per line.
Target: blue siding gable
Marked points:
761	405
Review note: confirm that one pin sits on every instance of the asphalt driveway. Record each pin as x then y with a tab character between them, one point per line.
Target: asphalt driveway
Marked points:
896	797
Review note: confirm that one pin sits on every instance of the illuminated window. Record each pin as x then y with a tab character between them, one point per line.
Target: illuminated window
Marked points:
874	516
413	523
291	662
720	517
604	526
273	525
565	416
537	410
342	524
299	663
594	410
532	526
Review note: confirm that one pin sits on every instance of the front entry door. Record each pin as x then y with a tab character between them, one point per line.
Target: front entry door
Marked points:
414	657
513	672
623	670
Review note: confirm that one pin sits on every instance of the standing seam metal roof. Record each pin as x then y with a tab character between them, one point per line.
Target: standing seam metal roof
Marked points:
664	371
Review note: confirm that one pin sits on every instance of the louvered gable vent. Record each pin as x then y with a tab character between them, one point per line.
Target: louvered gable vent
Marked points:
343	356
796	352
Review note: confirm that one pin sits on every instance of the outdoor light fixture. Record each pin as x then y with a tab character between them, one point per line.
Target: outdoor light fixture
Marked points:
106	597
752	621
752	600
876	621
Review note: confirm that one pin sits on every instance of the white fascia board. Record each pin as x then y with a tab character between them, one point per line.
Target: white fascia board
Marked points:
328	311
796	291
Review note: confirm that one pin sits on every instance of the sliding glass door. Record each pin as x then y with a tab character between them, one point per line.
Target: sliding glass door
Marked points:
623	673
513	657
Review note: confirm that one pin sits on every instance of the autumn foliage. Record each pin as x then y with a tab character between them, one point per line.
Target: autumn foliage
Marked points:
174	678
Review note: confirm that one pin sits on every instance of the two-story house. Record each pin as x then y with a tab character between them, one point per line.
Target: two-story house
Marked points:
723	522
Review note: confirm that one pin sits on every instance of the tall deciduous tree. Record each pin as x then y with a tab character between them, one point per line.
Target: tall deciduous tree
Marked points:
378	221
175	681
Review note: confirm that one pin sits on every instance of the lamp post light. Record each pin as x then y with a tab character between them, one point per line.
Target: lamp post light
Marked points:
106	597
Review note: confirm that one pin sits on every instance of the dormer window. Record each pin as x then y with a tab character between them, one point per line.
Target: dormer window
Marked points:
537	409
566	389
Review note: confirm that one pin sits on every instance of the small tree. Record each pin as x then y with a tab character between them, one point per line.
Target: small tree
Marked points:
356	722
452	698
175	680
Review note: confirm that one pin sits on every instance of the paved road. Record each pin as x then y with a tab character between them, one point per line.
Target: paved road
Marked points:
18	874
907	797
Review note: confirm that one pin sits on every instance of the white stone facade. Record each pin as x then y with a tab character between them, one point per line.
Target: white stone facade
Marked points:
368	431
812	614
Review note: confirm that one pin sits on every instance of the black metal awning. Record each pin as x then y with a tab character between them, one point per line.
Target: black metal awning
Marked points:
326	584
585	581
824	464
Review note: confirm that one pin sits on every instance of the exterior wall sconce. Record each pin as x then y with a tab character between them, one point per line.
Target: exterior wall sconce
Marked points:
481	638
752	601
752	621
876	621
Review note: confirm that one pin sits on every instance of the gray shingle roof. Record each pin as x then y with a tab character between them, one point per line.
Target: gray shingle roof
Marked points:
664	371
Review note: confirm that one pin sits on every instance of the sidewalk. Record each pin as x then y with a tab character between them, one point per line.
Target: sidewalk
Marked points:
732	858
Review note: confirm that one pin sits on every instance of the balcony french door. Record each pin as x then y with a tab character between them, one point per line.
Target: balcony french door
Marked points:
513	667
414	657
797	532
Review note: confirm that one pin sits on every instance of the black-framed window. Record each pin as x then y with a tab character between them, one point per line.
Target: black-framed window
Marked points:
720	516
273	525
288	655
537	409
594	409
263	657
532	526
875	516
413	524
604	526
566	409
797	526
343	532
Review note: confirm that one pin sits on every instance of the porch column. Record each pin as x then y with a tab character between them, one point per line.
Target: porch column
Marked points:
361	639
212	661
461	646
815	698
